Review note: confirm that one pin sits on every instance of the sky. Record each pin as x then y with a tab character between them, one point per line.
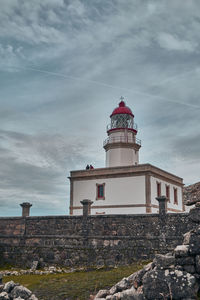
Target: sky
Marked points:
64	64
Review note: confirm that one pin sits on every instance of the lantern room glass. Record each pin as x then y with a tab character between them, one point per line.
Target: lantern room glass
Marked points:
121	121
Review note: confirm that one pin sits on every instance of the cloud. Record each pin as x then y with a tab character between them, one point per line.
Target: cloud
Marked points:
35	167
171	42
65	64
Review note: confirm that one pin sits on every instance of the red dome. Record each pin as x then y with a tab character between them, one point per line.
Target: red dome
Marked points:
122	109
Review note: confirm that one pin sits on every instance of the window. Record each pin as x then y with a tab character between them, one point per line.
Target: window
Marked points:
158	189
100	191
168	192
175	196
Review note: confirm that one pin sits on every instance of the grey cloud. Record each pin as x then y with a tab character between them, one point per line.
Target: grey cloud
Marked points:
36	167
187	147
93	52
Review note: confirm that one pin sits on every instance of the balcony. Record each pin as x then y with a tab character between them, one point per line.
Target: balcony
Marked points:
122	139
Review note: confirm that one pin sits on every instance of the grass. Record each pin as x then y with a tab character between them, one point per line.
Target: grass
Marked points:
74	286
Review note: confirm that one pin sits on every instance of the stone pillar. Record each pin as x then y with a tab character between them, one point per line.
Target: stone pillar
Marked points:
86	207
25	209
162	200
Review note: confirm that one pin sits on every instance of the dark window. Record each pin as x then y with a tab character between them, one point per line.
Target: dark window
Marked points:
175	196
168	192
158	189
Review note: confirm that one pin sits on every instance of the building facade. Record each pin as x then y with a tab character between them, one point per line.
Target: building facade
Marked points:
124	186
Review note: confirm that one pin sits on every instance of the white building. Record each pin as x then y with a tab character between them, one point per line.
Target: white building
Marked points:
124	186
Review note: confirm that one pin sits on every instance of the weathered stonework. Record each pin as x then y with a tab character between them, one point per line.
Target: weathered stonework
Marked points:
171	276
95	240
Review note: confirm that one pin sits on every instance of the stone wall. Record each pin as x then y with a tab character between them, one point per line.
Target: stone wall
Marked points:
89	240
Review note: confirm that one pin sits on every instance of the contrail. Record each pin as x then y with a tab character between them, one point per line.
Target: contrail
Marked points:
108	85
177	76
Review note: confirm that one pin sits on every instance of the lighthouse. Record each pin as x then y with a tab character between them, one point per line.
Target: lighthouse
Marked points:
124	185
122	146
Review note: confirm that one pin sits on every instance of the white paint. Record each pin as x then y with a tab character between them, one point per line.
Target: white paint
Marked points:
170	204
121	156
118	191
117	211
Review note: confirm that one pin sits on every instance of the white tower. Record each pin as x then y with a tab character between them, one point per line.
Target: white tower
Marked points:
122	146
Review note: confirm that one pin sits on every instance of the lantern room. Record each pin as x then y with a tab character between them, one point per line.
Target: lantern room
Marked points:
122	146
122	117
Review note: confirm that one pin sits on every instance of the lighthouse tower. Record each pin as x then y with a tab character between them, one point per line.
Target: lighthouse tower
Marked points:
122	146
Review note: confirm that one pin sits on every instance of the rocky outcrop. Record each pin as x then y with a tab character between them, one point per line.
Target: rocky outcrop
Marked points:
14	291
174	276
191	192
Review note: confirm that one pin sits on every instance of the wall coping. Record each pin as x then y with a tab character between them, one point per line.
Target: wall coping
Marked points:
94	216
139	169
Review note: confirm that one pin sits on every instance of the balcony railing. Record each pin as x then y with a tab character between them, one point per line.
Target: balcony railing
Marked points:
122	139
111	126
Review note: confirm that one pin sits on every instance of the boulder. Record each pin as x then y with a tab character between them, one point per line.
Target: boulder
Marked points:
194	214
4	296
9	286
21	291
161	284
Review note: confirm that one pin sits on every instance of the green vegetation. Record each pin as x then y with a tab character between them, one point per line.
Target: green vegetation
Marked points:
74	286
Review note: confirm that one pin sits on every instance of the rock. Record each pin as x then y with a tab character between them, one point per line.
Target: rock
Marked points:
197	260
186	238
164	261
21	291
1	288
181	261
161	284
18	298
9	286
181	250
120	286
194	214
189	268
33	297
102	294
194	248
138	278
4	296
34	265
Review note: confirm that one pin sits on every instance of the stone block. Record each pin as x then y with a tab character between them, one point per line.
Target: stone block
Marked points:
164	261
181	251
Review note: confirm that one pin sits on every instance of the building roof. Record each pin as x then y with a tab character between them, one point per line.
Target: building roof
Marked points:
126	171
122	109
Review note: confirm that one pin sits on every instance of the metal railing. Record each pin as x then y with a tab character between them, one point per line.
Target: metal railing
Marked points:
134	126
122	139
